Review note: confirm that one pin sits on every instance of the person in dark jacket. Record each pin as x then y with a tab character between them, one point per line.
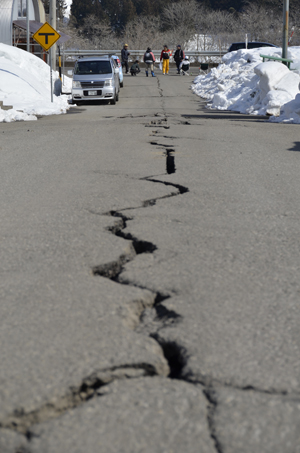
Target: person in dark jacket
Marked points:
178	57
135	69
124	57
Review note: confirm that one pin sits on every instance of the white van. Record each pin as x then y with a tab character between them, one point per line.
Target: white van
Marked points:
94	79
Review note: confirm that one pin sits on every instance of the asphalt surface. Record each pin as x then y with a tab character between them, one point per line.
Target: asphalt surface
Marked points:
150	278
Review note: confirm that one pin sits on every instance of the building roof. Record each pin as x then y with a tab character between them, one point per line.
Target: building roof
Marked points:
35	26
9	12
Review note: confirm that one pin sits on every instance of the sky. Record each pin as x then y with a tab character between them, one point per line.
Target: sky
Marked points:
68	2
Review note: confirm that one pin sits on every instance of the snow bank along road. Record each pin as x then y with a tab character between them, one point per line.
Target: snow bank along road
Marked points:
150	279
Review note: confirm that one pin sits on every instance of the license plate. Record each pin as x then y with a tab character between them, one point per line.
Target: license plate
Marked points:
92	93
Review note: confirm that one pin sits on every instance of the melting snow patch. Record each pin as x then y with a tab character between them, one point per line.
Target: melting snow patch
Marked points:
25	85
244	84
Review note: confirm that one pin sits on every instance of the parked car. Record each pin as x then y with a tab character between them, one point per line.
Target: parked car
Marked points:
251	45
118	65
95	78
117	60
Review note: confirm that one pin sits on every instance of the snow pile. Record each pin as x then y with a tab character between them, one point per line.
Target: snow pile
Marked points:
25	85
244	84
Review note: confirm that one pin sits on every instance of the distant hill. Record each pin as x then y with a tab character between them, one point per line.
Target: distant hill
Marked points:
239	4
118	13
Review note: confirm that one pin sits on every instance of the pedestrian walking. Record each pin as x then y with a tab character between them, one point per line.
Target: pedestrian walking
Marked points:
124	57
149	60
178	57
165	58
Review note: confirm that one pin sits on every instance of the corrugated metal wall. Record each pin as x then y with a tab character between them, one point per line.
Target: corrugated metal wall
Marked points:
40	16
6	11
36	11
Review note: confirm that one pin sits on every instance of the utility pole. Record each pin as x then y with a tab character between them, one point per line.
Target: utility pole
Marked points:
53	24
285	28
27	27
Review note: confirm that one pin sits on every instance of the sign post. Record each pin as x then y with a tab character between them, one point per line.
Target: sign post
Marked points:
46	36
51	75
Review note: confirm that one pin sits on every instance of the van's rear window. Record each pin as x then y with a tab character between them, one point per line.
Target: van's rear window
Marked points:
92	67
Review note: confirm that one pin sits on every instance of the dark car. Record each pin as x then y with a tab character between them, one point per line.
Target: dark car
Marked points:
251	45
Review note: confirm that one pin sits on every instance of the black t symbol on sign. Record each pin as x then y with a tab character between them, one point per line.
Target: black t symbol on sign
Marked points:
46	36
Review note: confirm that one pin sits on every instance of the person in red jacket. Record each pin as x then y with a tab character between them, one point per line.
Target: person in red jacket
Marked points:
165	58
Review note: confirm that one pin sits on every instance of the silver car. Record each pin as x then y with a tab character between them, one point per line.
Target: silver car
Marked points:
95	78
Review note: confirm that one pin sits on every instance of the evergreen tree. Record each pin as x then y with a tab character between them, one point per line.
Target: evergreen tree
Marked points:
80	9
151	7
118	13
227	4
128	12
239	5
61	7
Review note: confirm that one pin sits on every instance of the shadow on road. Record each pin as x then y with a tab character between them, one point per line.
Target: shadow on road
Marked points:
74	110
233	116
296	147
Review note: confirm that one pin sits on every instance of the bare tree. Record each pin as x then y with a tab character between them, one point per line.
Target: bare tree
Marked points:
184	20
214	28
143	32
295	23
261	24
93	34
179	21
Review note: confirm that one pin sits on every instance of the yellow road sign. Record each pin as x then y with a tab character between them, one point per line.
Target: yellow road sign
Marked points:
46	36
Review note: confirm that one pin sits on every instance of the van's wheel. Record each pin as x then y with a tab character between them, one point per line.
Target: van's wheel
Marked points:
117	97
121	84
114	100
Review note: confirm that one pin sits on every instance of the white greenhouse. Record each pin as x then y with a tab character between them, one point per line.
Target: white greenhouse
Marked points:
13	20
13	24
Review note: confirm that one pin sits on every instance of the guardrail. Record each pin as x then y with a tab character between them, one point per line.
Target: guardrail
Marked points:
197	54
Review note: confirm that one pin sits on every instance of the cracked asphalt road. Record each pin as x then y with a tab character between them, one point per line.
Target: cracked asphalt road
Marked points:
149	279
